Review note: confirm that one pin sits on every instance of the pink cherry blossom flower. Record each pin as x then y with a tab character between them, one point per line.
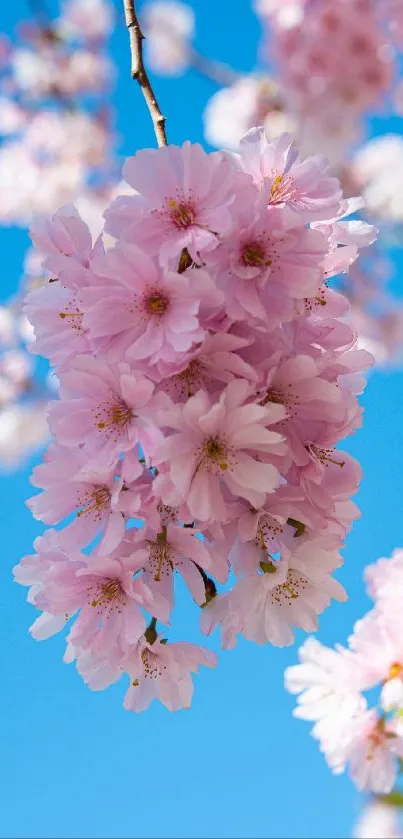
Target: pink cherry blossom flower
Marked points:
174	548
264	262
183	200
216	442
289	593
378	655
106	409
329	695
385	580
141	310
58	316
371	751
70	485
162	671
63	235
104	593
214	362
302	186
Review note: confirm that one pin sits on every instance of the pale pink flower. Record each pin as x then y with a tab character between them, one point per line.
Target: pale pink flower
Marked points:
56	313
107	409
141	311
214	362
371	752
71	485
221	442
63	235
384	580
301	185
173	548
266	262
162	671
183	201
221	611
329	694
291	592
296	383
104	593
378	654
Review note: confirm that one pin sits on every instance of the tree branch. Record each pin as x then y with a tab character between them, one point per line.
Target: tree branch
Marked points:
221	74
139	72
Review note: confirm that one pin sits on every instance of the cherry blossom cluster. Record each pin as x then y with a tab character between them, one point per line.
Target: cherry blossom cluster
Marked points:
207	373
312	42
302	86
366	736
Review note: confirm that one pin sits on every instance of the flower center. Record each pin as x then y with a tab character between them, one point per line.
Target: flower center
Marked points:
94	502
286	593
160	560
190	379
325	456
274	396
182	213
152	664
395	671
73	316
253	254
156	304
267	530
113	417
108	596
216	450
281	190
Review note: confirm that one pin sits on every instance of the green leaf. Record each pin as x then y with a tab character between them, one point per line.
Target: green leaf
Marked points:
394	798
268	567
298	526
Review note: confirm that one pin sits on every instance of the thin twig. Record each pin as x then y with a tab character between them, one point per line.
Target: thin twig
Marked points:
221	74
139	72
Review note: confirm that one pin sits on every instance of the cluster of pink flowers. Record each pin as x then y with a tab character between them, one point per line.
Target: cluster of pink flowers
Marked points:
302	87
207	373
367	737
312	43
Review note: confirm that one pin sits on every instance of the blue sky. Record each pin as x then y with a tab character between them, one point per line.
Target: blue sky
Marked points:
74	763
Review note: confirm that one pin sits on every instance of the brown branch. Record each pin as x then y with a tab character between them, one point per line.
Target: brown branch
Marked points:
139	73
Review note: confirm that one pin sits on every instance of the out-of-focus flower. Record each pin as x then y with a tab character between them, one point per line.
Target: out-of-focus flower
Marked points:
169	26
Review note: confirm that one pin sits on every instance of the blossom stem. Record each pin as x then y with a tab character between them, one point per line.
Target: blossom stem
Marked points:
139	72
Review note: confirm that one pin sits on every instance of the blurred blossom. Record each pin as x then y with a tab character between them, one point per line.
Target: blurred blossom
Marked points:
56	147
169	27
250	101
22	429
378	169
378	821
91	19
